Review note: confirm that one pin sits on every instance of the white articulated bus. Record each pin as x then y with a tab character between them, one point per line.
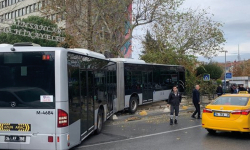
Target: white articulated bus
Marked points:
141	83
53	98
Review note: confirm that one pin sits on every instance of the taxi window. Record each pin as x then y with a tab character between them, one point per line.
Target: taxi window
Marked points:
237	101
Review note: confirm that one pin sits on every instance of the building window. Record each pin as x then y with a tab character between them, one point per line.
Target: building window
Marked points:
39	6
20	12
9	16
24	12
27	10
16	13
13	15
58	17
34	7
9	2
53	17
30	8
43	3
63	16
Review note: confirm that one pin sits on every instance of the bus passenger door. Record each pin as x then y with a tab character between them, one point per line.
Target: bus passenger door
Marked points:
147	93
84	103
91	97
87	104
110	90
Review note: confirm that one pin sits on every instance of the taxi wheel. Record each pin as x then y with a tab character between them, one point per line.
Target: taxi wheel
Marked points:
210	131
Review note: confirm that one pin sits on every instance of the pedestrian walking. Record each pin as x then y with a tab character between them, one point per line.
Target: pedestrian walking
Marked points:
248	90
196	102
174	101
237	90
219	90
233	89
241	88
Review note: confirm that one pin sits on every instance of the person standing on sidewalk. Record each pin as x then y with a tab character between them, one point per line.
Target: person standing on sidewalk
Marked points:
174	101
219	91
196	102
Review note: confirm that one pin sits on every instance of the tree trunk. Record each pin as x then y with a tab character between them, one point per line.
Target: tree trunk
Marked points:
90	33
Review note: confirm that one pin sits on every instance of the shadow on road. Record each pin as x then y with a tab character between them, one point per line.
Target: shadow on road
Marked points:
230	135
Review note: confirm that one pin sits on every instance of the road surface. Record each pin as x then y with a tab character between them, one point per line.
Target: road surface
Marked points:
155	133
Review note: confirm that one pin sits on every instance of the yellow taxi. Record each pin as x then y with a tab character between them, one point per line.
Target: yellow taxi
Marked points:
228	113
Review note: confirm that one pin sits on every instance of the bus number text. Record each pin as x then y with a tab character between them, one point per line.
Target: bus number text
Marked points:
44	112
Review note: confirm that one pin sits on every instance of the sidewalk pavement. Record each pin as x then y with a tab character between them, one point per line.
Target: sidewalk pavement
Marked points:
158	108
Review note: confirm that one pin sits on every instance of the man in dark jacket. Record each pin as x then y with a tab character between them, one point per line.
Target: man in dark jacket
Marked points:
219	90
174	100
196	102
241	88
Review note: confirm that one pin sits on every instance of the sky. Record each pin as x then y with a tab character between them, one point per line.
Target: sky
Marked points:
233	14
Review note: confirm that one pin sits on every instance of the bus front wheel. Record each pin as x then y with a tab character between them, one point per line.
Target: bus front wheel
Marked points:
99	121
133	104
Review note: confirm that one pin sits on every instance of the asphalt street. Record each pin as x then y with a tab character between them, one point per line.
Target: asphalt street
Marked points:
155	133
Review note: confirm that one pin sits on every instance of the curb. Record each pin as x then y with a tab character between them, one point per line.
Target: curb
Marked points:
150	114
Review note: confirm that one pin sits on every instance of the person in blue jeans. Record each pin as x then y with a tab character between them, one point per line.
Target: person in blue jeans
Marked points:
174	101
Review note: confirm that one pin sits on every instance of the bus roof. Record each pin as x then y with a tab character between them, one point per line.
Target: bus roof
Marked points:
7	48
136	61
6	45
88	53
127	60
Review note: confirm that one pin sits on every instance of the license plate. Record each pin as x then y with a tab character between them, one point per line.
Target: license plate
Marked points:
216	114
15	139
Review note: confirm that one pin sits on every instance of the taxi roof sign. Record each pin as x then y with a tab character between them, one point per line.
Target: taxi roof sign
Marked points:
243	92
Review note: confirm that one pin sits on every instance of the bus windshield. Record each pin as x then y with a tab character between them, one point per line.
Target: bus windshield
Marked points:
27	80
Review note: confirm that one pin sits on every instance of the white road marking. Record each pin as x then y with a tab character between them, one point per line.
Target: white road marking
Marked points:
139	137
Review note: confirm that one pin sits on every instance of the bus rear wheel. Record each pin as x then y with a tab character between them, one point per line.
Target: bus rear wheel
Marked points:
133	104
99	122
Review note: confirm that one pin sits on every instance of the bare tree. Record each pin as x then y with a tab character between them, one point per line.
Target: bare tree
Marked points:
101	24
